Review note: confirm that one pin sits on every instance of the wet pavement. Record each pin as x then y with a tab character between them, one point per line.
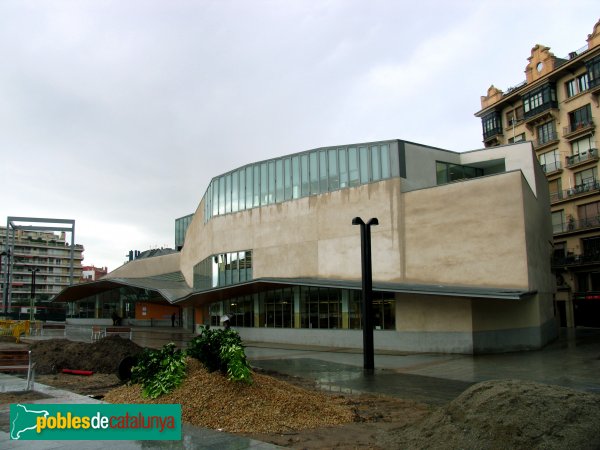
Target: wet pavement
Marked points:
571	361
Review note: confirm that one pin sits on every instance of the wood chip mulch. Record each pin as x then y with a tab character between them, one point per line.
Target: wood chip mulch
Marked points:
267	406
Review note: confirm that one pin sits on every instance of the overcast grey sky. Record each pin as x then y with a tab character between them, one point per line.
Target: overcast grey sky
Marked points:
118	113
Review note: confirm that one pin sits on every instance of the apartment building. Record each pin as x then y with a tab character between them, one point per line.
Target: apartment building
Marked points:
45	255
556	108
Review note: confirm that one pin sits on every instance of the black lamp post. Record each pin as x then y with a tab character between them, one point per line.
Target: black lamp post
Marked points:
33	272
367	291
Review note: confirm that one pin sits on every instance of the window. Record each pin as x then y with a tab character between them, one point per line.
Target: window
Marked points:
593	69
223	269
256	190
343	167
363	156
314	173
264	184
558	222
550	161
353	167
539	100
577	85
323	185
287	168
580	118
447	172
583	82
514	116
279	181
517	138
554	186
296	186
586	178
546	133
235	190
589	214
375	164
581	146
492	124
334	179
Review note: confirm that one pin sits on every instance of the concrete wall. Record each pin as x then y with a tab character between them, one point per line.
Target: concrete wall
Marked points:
469	233
147	267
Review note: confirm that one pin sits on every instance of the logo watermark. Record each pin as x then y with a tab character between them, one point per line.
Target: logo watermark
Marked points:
95	422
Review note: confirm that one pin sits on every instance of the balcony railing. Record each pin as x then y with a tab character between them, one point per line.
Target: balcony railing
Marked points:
590	155
575	225
573	259
551	167
576	127
577	190
550	138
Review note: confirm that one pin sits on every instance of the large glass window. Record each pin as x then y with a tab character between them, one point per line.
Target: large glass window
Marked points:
314	173
385	161
287	177
249	186
271	196
223	269
296	184
279	181
221	195
363	156
342	155
242	190
334	179
235	191
558	222
323	185
555	188
264	184
353	167
257	191
305	176
375	163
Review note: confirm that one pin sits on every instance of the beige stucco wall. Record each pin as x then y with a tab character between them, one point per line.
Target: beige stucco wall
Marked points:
308	237
421	313
469	233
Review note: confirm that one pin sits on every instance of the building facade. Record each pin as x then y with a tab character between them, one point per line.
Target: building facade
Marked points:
556	108
461	255
50	254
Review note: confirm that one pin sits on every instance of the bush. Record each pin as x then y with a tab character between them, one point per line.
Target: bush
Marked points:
159	371
221	350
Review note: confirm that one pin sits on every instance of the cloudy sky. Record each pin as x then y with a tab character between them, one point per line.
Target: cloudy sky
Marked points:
118	113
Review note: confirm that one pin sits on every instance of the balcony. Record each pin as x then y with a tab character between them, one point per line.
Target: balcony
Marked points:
578	129
573	259
546	141
573	225
580	190
582	158
552	168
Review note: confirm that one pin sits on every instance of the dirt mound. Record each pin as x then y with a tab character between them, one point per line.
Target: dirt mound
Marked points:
103	356
268	405
510	414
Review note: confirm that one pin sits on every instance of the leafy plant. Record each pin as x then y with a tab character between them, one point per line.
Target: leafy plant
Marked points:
159	371
221	350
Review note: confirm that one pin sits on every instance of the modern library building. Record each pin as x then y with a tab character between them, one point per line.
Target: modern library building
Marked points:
461	255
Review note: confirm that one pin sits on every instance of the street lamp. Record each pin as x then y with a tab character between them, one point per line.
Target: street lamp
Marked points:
367	291
33	272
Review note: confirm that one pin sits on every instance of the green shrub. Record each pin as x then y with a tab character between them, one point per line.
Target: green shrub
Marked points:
159	371
221	350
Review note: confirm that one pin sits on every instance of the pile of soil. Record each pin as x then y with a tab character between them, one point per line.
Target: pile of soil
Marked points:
266	406
509	414
103	356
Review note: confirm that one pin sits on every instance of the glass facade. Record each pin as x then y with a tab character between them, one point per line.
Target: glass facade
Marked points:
223	269
181	226
304	307
447	172
300	175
